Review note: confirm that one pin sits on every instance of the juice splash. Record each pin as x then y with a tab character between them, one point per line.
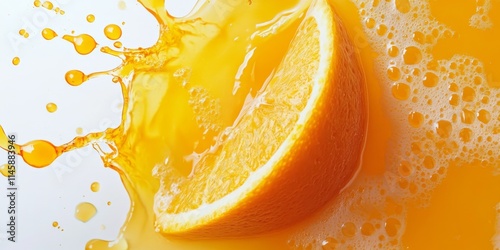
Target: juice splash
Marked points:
434	119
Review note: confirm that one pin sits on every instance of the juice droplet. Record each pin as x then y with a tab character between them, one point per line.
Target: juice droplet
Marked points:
394	73
443	128
405	169
75	77
37	3
84	44
401	91
484	116
90	18
367	229
16	60
454	100
349	229
51	107
122	5
22	32
465	135
48	34
113	32
329	244
468	116
392	226
108	203
4	170
431	80
416	119
412	55
55	224
48	5
79	131
393	51
419	37
468	94
117	45
39	153
403	6
85	211
429	162
95	186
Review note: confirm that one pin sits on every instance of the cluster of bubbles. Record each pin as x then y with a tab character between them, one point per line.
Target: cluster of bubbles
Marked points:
443	111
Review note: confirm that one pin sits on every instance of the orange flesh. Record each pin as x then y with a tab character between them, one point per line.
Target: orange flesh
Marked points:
456	209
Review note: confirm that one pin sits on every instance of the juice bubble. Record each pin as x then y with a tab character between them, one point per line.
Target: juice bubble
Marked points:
113	32
465	135
37	3
405	169
367	229
48	34
484	116
393	51
51	107
85	211
394	73
329	244
95	186
55	224
84	44
468	94
429	162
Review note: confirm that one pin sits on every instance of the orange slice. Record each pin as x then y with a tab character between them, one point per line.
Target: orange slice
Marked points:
295	148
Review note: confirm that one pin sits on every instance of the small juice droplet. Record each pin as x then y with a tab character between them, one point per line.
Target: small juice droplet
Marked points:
367	229
109	203
16	60
465	135
349	229
4	169
113	32
39	153
48	34
468	116
416	119
401	91
431	80
403	6
79	131
484	116
468	94
392	227
48	5
37	3
51	107
84	44
75	77
22	32
122	5
85	211
444	128
55	224
95	186
412	55
429	162
393	51
90	18
117	45
394	73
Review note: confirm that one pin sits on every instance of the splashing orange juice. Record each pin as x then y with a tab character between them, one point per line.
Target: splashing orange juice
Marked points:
429	175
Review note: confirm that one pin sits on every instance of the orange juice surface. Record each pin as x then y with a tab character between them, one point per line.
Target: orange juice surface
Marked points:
429	177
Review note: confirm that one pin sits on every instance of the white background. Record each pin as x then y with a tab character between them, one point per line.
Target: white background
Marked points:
51	194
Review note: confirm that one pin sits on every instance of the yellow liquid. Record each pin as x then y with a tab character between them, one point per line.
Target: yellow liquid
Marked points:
85	211
429	178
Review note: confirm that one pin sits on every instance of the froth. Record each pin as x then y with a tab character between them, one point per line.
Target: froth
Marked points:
443	112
